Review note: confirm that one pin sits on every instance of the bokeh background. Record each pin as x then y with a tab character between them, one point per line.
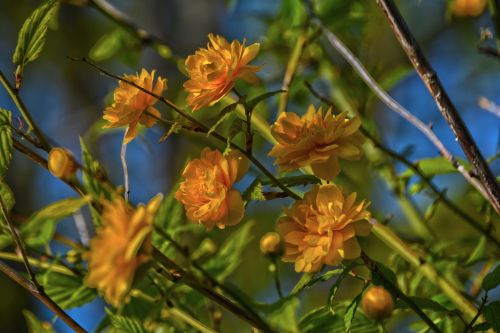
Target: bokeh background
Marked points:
67	98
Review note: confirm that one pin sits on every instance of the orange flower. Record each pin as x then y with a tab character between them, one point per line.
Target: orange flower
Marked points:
212	71
122	244
207	193
130	103
468	7
322	228
315	139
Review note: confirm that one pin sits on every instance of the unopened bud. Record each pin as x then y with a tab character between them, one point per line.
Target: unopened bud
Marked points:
377	303
270	243
468	7
61	163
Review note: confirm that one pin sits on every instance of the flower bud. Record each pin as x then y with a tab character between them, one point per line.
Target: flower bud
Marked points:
468	7
270	243
61	163
377	303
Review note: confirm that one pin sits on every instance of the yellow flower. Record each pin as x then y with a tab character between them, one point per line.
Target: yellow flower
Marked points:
130	103
212	71
207	193
322	228
122	244
61	163
468	7
315	139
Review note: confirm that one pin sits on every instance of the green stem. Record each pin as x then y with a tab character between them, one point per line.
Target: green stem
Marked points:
178	313
37	263
24	112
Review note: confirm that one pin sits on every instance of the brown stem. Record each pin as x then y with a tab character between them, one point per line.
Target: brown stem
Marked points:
42	297
200	127
443	101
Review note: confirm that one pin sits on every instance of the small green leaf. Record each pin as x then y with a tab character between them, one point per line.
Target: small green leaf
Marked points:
479	252
230	254
223	115
350	312
416	187
174	128
107	46
284	319
251	104
492	314
302	283
6	143
434	166
35	325
254	192
325	320
7	196
126	324
32	35
336	286
67	291
492	280
94	175
422	303
308	280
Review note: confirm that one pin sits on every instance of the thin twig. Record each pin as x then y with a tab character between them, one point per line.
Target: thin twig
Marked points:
398	108
24	112
469	326
123	158
200	126
443	101
41	296
276	276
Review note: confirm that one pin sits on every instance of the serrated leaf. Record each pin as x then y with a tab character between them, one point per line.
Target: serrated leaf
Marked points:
308	280
284	319
126	325
422	303
350	312
230	254
35	325
251	104
7	195
6	143
294	180
492	314
107	46
323	320
478	253
335	287
32	35
492	280
67	291
94	175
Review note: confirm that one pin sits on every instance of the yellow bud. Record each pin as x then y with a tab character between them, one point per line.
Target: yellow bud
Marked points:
468	7
270	243
377	303
61	163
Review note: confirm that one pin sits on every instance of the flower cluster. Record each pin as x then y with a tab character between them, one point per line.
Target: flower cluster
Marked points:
321	228
207	192
317	140
121	245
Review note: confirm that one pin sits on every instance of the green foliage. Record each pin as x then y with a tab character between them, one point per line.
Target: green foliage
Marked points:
32	35
41	226
492	280
309	279
6	143
422	303
35	325
252	103
254	192
324	320
434	166
7	196
284	319
230	254
492	314
335	287
94	174
121	324
479	252
350	312
66	290
117	42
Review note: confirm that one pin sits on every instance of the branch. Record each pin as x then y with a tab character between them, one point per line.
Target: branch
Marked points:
41	296
200	126
443	101
398	108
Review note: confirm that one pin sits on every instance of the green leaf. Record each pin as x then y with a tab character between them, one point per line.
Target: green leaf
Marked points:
294	180
422	303
126	325
67	291
492	280
481	327
292	12
479	252
254	192
351	312
35	325
434	166
41	226
94	174
492	314
230	254
7	196
251	104
383	276
6	143
336	286
223	115
324	320
174	128
284	319
107	46
308	280
32	35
